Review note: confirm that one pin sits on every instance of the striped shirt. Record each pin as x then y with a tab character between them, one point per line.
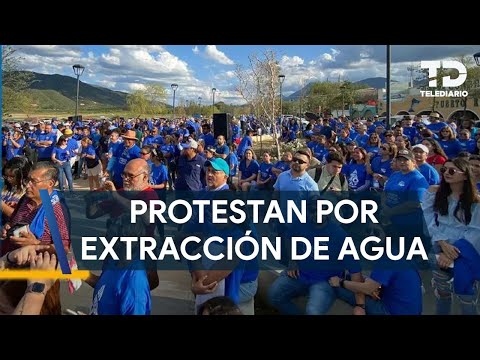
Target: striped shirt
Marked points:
25	213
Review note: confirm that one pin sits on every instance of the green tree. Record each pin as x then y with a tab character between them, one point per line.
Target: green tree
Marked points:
147	102
14	82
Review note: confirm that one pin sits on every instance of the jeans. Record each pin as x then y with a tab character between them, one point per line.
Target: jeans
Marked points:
372	307
80	166
247	293
320	296
442	283
66	169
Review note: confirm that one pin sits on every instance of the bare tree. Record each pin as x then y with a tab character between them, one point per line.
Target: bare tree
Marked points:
14	82
259	86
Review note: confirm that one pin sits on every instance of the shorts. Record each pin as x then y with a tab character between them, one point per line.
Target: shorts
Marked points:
95	171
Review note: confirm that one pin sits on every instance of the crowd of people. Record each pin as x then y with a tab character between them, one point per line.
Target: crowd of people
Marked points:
439	172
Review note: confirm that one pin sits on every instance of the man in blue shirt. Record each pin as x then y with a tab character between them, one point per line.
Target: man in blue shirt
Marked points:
190	168
297	178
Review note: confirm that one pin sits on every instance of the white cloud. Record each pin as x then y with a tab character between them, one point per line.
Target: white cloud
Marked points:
287	61
213	53
111	59
230	74
135	86
327	57
196	50
334	52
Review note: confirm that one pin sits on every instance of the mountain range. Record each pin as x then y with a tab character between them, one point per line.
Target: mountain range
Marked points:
376	83
58	92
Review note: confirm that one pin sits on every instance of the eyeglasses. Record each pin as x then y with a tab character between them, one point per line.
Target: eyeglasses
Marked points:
299	161
450	171
32	181
126	176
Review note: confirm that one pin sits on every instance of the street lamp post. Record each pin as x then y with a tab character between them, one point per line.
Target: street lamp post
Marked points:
281	78
213	101
78	70
174	88
199	101
477	58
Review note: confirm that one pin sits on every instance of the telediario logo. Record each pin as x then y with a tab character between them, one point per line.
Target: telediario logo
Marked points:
447	81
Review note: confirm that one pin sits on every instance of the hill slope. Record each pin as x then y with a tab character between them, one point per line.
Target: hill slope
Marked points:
59	92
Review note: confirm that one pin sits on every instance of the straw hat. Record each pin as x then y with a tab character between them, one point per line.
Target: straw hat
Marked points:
130	135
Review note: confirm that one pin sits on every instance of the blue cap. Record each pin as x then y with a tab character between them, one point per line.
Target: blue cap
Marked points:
219	165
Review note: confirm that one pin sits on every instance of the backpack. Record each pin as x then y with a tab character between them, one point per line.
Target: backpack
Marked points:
318	173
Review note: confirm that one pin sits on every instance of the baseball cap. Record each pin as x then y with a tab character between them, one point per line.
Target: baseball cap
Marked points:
67	132
420	146
407	154
219	165
190	144
210	148
17	125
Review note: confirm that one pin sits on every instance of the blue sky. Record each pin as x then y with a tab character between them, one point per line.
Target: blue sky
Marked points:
198	68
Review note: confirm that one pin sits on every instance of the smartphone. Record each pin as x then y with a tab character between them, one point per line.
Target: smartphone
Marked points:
19	230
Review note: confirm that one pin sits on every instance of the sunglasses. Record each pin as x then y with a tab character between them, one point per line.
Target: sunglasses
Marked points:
450	171
388	134
300	161
144	153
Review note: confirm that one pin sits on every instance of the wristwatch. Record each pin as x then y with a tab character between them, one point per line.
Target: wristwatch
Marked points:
38	288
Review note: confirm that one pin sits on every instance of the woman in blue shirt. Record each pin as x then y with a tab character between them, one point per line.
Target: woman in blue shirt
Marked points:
248	170
61	158
452	215
448	142
356	172
373	145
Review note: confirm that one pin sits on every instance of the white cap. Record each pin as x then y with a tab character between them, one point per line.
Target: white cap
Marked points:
420	146
17	125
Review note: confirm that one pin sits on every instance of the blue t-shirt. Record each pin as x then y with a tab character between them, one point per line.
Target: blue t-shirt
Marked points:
244	145
12	151
159	174
401	291
361	140
232	161
123	156
356	175
62	154
122	292
265	171
382	167
319	151
451	147
402	188
285	182
467	145
430	174
250	170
